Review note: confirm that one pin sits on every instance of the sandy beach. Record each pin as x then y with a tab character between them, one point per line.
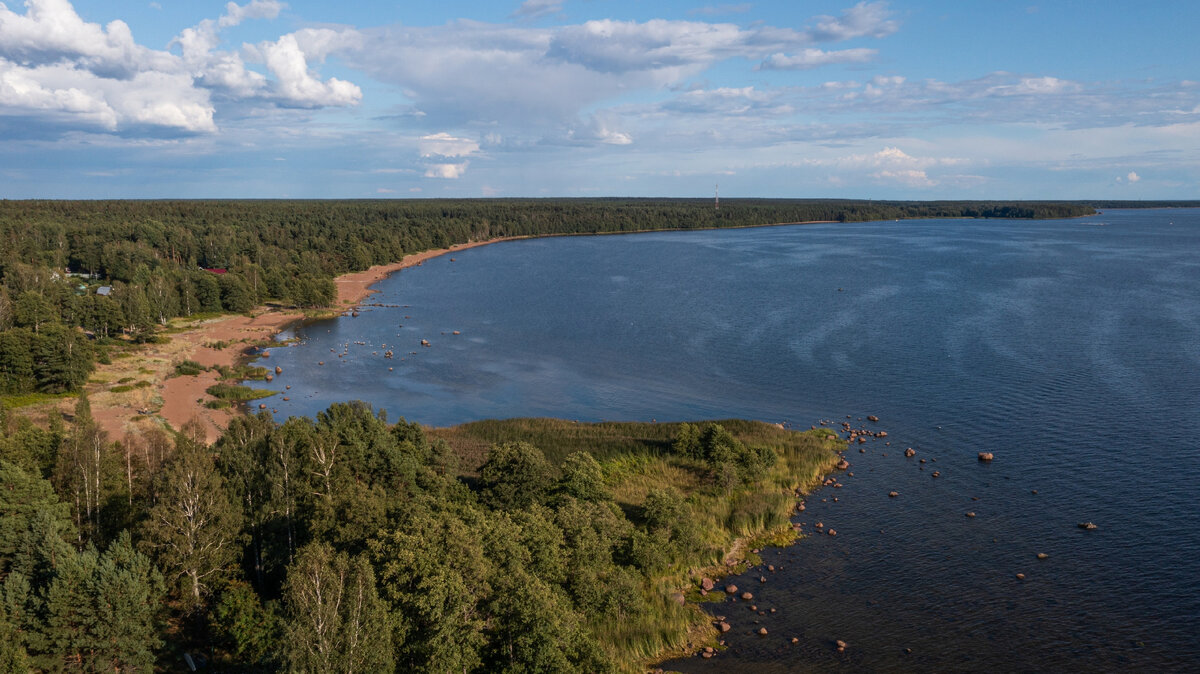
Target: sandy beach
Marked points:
223	341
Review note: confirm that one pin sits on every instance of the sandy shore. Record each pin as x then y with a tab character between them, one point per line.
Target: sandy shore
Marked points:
354	288
215	342
177	400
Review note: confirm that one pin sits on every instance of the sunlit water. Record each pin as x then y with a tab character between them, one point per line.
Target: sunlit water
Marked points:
1070	349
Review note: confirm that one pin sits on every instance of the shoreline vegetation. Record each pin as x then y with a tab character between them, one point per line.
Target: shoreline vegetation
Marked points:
126	329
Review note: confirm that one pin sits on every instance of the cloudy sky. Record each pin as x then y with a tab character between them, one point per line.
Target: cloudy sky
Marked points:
908	99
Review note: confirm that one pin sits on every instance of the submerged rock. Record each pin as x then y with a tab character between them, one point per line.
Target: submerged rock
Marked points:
986	456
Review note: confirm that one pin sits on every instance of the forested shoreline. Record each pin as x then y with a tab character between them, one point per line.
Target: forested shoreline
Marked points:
349	542
119	269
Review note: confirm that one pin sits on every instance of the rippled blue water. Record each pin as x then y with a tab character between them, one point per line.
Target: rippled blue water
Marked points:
1070	349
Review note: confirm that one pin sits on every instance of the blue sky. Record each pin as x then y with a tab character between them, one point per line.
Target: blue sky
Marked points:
916	99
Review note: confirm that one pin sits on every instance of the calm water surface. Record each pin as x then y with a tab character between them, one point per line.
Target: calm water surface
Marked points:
1070	349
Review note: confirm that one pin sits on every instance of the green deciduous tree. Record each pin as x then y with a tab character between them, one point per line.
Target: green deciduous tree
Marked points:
516	475
194	527
335	619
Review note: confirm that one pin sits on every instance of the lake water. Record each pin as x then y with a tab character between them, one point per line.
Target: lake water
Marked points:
1069	348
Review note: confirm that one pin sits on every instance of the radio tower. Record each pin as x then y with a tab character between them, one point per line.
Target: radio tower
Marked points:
717	197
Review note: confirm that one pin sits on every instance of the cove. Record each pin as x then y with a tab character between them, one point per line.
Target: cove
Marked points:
1068	348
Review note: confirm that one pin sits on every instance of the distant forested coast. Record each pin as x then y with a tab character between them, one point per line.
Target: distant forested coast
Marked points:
120	268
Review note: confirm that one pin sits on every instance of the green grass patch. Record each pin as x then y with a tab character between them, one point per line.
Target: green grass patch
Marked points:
15	401
237	392
189	368
217	404
123	388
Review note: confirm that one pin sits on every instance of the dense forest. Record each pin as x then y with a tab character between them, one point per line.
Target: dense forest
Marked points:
349	544
118	269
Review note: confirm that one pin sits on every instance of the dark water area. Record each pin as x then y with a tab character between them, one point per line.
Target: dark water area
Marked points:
1069	348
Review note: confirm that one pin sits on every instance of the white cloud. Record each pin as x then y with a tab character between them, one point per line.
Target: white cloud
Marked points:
909	177
1133	177
812	58
1035	86
446	171
532	9
445	145
295	84
866	19
61	70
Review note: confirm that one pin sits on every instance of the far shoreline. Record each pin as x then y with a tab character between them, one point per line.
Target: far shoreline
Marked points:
183	398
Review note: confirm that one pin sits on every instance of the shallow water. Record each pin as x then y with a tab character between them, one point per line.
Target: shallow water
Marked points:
1070	349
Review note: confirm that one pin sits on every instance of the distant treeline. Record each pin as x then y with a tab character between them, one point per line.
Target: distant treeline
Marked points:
118	268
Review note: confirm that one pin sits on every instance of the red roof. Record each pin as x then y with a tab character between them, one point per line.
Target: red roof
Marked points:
215	270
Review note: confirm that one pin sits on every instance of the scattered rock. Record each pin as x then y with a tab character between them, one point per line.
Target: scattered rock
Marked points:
278	370
262	406
1042	555
831	532
970	514
762	631
893	494
746	596
910	452
872	417
706	584
841	646
762	579
771	568
1088	526
723	626
1020	576
679	598
843	464
795	640
731	589
986	456
937	473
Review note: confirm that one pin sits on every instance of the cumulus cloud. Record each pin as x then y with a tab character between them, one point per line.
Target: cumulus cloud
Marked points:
295	82
446	171
473	73
1133	177
445	145
58	68
812	58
